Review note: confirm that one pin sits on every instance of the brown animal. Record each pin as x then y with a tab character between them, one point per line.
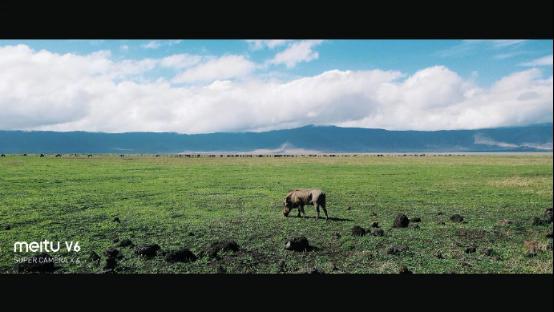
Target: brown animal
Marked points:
298	198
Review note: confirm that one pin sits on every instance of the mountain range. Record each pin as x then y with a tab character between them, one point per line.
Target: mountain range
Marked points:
308	139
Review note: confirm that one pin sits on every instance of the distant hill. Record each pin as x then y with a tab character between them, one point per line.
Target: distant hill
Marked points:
309	139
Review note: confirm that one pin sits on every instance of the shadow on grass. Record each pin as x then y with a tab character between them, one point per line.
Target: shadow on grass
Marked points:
323	218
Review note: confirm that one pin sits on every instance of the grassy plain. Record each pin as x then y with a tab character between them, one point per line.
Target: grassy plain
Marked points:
192	202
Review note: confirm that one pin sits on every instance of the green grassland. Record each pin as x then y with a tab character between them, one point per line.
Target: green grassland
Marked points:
176	202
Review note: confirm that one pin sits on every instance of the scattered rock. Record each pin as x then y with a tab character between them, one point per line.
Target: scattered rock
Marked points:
415	220
110	264
148	251
470	249
298	244
116	219
180	255
315	271
113	253
94	257
221	246
456	218
505	222
125	243
401	221
531	248
489	252
358	231
404	270
395	250
548	215
41	263
377	232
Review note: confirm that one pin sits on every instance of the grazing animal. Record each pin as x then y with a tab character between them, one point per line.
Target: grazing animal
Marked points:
41	155
58	155
89	155
298	198
2	155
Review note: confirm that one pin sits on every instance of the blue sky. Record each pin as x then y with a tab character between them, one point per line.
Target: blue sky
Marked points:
199	86
483	60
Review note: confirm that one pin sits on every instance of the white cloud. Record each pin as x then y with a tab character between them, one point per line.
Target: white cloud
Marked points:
124	47
301	51
152	44
180	61
542	61
49	91
270	44
225	67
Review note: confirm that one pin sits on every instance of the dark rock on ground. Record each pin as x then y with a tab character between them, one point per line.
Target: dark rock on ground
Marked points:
358	231
540	221
470	249
415	220
148	250
401	221
191	234
110	264
377	232
94	257
315	271
40	263
298	244
456	218
404	270
221	246
548	215
125	243
396	249
489	252
113	253
116	219
180	255
440	213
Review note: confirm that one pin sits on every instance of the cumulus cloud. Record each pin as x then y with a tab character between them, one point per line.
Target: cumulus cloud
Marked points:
225	67
542	61
270	44
180	61
48	91
301	51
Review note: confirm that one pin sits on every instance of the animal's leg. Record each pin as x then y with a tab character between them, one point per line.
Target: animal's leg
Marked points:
317	210
325	211
299	211
303	212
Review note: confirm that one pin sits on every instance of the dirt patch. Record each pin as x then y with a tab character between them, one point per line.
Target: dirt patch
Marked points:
401	221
